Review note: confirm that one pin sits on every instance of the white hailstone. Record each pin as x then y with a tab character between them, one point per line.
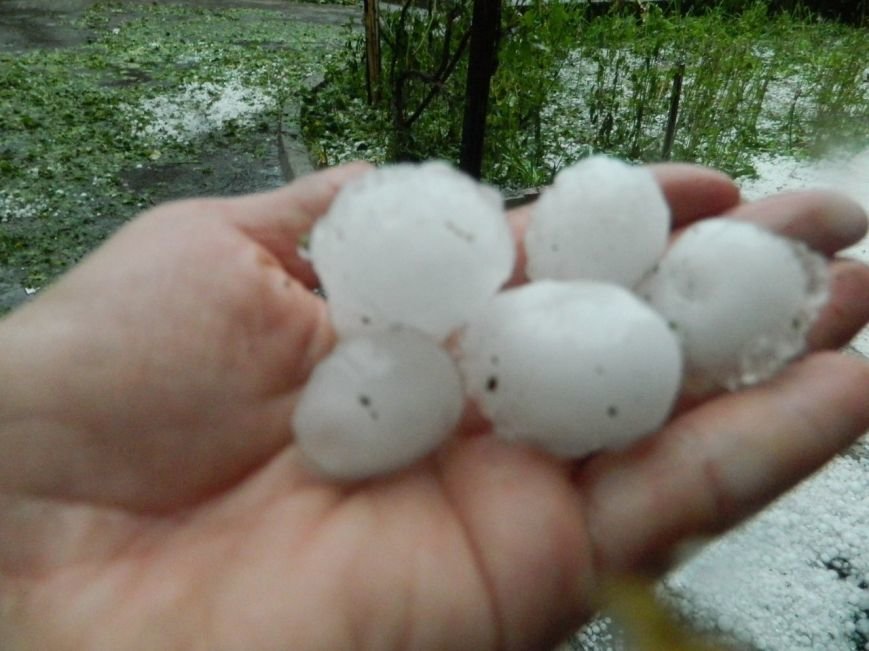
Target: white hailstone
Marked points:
377	403
415	245
602	219
571	367
740	298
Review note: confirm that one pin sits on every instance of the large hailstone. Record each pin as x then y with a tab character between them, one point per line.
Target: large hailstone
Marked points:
602	219
378	403
571	367
415	245
740	298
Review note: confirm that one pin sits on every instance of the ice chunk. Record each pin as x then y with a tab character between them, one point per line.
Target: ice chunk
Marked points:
416	245
571	366
741	299
377	403
601	220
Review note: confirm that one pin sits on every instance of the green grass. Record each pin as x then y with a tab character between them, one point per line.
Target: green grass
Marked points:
71	120
753	82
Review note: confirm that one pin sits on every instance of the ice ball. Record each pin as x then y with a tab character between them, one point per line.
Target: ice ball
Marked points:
571	367
416	245
377	403
741	299
602	219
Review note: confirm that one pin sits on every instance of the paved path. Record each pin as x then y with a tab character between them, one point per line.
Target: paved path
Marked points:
46	23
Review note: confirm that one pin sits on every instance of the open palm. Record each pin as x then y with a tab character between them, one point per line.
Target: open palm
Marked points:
151	496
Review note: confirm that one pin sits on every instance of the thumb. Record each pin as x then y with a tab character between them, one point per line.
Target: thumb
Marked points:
278	219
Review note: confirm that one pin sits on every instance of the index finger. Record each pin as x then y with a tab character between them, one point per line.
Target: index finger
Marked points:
695	192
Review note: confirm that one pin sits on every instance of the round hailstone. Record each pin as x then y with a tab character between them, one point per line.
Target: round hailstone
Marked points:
415	245
602	219
741	298
571	366
378	403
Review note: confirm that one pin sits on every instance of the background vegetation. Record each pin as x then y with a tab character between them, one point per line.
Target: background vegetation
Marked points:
752	80
79	154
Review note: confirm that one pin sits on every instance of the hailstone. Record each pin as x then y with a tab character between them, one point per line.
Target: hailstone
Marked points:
740	298
377	403
602	219
414	245
571	367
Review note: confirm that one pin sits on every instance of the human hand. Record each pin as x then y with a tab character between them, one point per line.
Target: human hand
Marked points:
151	496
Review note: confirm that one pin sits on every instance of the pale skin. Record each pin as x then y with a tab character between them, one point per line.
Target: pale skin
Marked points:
151	496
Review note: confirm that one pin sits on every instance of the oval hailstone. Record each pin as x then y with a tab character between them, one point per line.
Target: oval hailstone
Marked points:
377	403
571	366
415	245
740	298
602	219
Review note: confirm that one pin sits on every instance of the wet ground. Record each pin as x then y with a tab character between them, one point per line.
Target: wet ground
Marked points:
44	24
27	25
263	161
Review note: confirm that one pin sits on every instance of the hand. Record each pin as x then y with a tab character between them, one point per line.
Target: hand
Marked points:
151	496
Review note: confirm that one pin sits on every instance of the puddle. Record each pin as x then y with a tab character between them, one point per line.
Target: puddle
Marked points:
123	77
23	28
214	172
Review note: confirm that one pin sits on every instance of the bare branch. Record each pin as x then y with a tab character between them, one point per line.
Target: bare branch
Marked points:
451	66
